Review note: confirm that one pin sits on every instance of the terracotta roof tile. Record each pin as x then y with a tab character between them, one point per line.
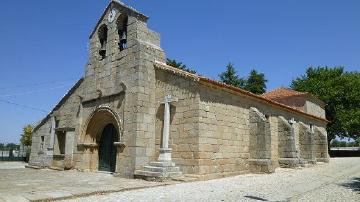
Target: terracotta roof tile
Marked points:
282	93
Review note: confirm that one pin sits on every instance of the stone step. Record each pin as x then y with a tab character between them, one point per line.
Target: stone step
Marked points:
157	174
162	164
161	169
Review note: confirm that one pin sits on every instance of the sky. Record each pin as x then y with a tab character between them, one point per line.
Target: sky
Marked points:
44	44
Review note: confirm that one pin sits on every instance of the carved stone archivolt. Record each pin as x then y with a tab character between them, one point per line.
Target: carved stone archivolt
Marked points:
95	124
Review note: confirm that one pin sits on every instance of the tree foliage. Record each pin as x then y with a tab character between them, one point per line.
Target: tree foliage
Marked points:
230	77
179	65
341	91
27	135
358	141
256	82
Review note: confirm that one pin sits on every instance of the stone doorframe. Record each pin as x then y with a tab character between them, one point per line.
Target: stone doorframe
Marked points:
91	133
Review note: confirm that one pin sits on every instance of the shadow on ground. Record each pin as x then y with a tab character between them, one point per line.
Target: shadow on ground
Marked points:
255	198
353	184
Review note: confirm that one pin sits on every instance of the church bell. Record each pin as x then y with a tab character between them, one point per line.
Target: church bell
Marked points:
123	38
102	50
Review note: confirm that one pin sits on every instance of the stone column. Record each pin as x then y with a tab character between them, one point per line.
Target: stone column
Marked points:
165	151
50	148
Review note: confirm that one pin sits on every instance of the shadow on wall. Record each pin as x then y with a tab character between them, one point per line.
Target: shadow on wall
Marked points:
353	184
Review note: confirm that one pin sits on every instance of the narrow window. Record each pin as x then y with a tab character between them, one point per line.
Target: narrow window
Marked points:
122	22
103	32
42	142
61	137
311	127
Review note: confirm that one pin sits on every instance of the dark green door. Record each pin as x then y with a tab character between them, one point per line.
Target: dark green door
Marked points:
107	150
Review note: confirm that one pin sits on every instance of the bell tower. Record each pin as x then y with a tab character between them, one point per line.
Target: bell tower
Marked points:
120	74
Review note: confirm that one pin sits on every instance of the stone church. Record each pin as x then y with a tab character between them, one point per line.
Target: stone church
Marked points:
135	116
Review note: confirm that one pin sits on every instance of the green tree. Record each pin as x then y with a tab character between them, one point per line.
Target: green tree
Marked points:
341	91
2	146
342	144
256	82
11	146
179	65
357	141
335	143
230	77
27	135
350	144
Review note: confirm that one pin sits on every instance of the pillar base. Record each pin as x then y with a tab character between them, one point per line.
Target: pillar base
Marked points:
325	160
165	154
158	171
289	162
161	169
261	166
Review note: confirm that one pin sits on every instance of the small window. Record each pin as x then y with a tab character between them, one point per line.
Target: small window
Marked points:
103	32
311	127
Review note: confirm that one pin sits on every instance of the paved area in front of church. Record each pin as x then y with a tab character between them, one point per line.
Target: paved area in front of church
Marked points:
24	184
337	181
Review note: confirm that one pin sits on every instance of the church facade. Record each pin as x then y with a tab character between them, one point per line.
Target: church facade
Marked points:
133	115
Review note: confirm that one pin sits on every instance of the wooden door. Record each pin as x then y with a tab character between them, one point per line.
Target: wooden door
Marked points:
107	149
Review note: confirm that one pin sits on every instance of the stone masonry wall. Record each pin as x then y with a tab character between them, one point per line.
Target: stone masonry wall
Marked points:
314	109
260	142
184	119
307	146
67	116
288	154
224	133
321	145
38	155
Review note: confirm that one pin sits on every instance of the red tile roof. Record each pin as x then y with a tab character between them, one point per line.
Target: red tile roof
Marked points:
282	93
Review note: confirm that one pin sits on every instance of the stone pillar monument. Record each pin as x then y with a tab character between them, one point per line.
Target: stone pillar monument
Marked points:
164	167
165	151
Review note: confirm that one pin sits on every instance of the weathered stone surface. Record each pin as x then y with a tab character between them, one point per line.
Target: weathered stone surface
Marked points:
288	153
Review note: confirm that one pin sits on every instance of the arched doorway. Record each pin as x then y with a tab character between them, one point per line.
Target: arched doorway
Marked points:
99	142
107	149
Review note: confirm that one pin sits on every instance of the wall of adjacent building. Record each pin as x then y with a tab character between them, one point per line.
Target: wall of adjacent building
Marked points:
314	109
38	155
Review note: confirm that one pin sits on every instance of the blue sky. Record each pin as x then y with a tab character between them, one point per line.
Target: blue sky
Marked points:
44	43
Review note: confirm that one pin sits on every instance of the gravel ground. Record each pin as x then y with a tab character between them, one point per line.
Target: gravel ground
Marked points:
337	181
